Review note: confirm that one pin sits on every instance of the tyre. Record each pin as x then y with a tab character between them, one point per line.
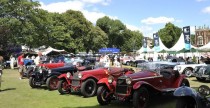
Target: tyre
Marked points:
141	98
185	102
32	82
201	79
188	72
63	87
185	82
52	83
103	95
88	88
29	72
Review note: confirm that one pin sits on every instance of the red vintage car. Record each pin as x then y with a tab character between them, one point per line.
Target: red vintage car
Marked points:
52	65
86	81
157	78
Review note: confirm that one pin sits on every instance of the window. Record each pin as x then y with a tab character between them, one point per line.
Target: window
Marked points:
200	40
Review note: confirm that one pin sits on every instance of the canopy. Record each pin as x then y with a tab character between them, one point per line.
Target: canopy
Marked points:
180	44
141	50
183	50
52	51
205	47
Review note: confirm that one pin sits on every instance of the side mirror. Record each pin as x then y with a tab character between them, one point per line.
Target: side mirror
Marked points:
204	90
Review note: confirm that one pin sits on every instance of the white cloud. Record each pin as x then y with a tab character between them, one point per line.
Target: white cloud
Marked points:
158	20
63	6
147	31
103	2
206	10
201	0
78	5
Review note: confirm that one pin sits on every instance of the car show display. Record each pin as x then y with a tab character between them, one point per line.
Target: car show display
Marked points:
203	73
153	78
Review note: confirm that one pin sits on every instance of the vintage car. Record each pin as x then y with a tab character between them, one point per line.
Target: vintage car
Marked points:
43	75
187	69
86	81
135	62
203	73
154	78
190	98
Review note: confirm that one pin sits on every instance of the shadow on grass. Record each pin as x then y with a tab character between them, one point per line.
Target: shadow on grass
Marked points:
206	81
155	102
7	89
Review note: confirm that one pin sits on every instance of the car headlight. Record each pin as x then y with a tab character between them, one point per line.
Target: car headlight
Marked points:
49	71
128	81
110	79
80	75
68	74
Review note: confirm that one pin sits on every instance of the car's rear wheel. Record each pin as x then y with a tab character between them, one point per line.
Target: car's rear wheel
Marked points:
103	95
32	82
188	72
88	88
63	87
201	79
52	83
141	98
185	82
185	102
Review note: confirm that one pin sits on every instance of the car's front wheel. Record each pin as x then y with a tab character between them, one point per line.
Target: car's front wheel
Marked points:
141	98
32	82
188	72
88	88
103	95
186	102
63	87
52	83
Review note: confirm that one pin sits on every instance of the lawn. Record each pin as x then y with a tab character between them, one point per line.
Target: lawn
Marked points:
18	94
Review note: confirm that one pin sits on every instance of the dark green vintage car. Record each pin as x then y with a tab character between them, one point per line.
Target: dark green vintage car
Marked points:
202	73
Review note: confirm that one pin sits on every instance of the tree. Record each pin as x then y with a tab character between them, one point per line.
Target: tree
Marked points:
170	34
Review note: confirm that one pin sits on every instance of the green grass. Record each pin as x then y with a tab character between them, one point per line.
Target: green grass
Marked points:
18	94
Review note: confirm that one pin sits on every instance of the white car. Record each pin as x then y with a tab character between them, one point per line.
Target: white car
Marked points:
187	69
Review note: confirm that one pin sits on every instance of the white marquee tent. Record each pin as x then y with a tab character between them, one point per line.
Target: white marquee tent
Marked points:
205	47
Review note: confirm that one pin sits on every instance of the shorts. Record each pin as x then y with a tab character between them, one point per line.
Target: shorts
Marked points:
21	68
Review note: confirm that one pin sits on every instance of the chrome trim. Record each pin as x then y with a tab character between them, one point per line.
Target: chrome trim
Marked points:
147	78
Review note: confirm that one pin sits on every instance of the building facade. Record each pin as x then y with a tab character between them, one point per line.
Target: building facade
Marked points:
202	36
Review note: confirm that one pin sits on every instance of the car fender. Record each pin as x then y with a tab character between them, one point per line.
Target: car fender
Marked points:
104	81
62	76
53	74
88	76
178	81
185	91
140	83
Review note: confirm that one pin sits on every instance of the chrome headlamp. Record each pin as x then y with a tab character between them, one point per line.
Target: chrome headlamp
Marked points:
110	79
128	80
178	68
80	75
68	74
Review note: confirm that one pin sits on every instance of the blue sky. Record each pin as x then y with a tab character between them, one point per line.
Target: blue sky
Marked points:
147	16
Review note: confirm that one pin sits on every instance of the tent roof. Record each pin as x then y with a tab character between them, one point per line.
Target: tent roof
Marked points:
180	44
141	50
205	47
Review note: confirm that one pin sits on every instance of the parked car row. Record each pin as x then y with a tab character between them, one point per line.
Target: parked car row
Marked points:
111	83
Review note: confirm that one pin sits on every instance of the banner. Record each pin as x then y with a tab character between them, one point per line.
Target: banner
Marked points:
156	42
186	32
144	44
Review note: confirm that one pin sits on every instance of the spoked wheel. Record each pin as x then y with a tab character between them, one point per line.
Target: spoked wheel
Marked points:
188	72
63	87
32	82
88	88
52	83
186	102
103	95
141	98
